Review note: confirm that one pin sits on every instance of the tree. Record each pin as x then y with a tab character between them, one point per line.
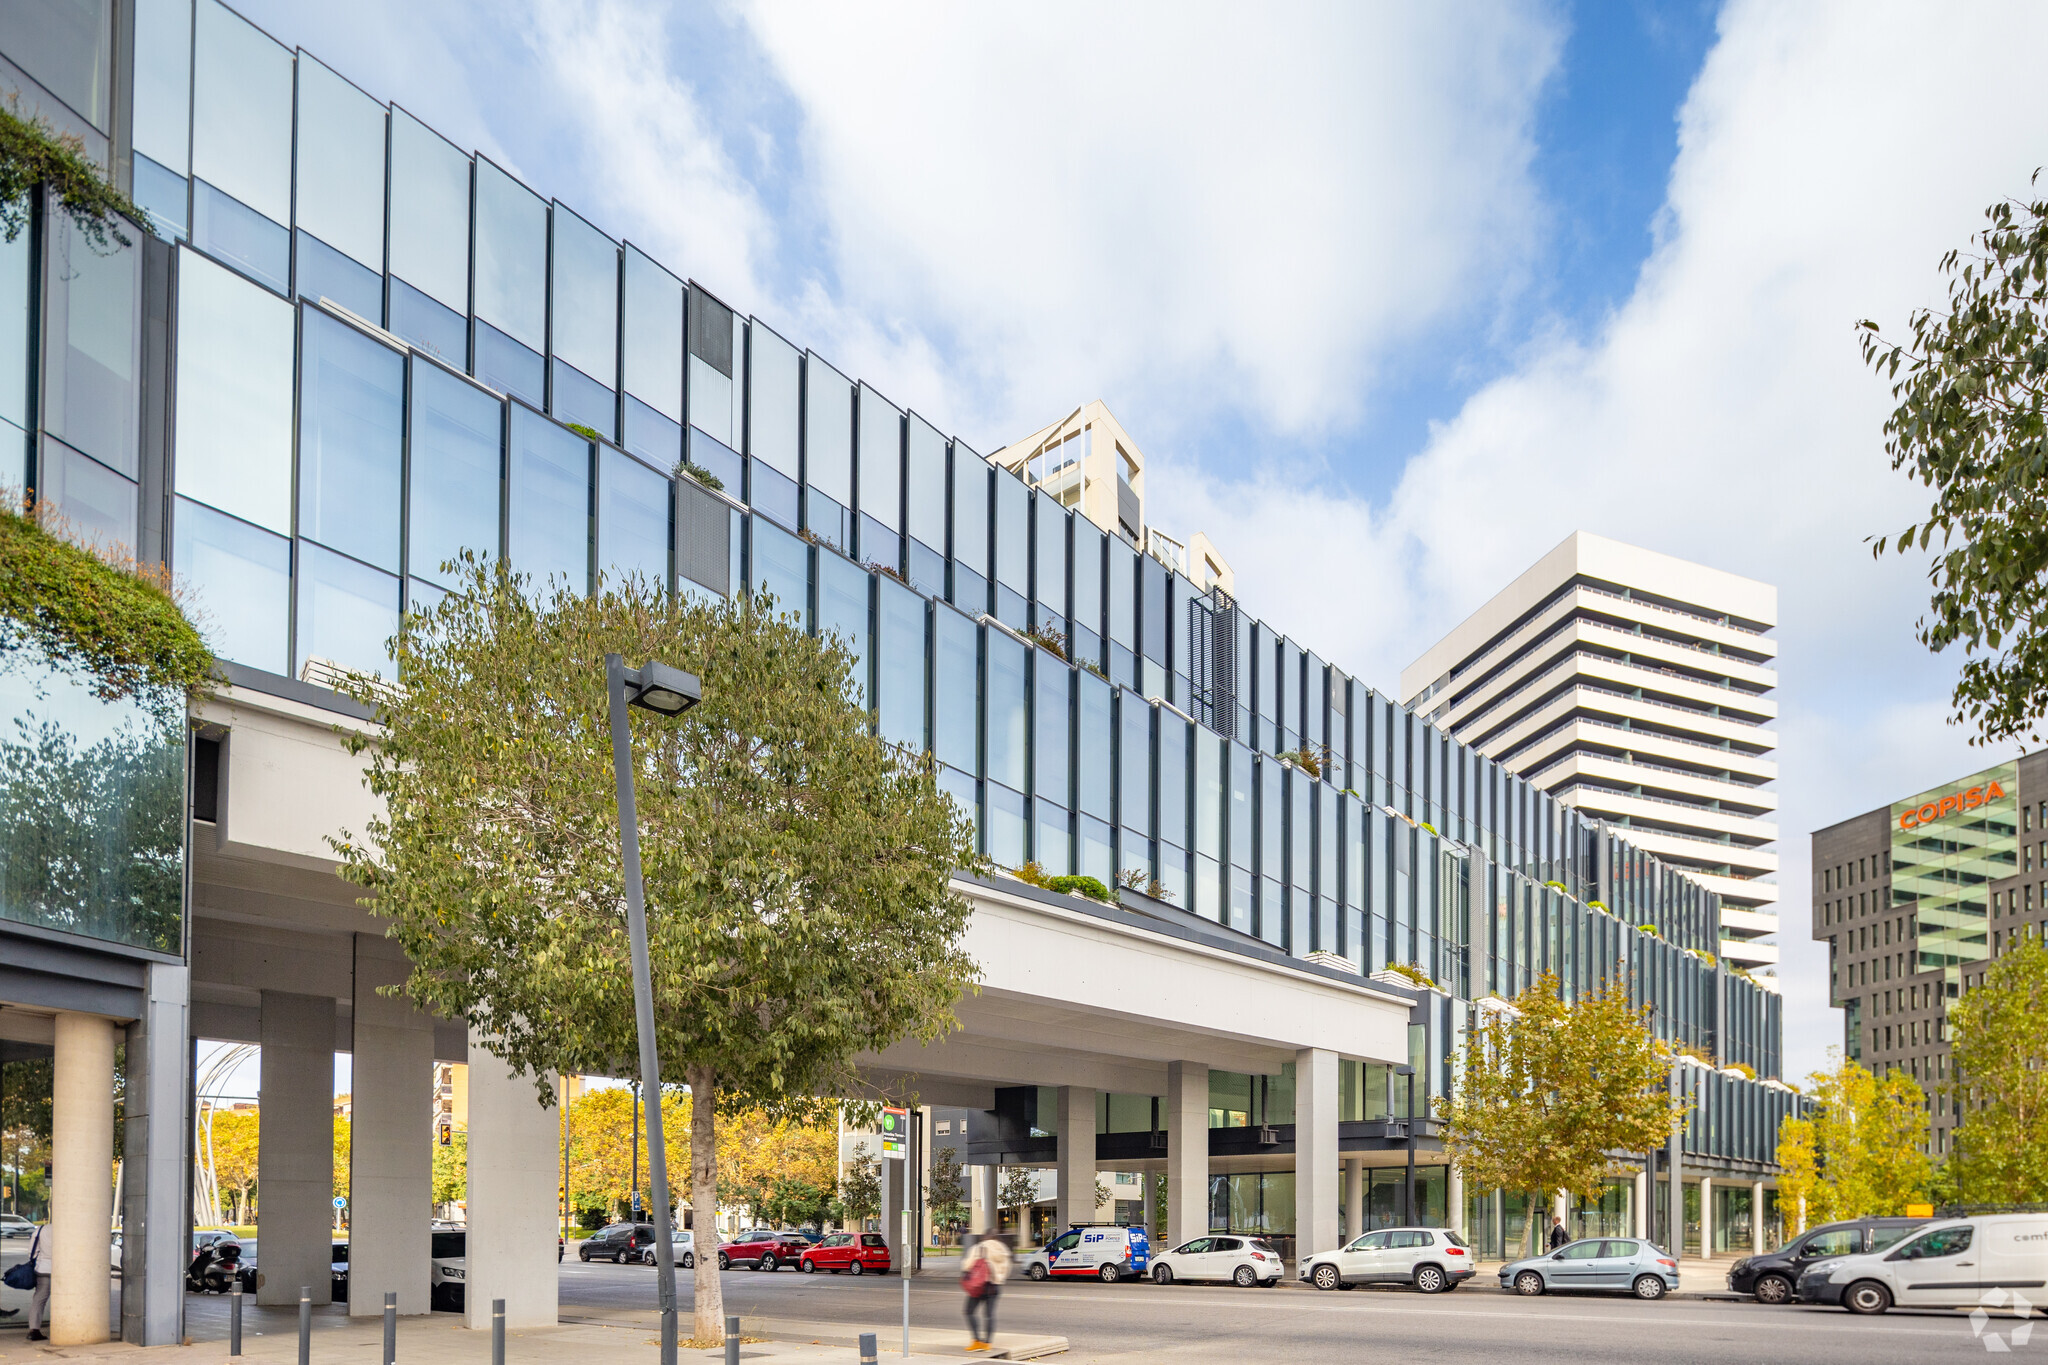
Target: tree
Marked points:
342	1130
798	868
782	1168
1019	1191
1548	1090
234	1163
1999	1090
860	1189
1798	1173
451	1169
601	1147
1863	1152
1969	424
945	1192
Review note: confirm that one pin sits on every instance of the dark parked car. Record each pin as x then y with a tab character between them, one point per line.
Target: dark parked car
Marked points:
620	1243
1772	1276
763	1250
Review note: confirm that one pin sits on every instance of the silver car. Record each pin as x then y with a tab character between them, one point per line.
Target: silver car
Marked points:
1615	1265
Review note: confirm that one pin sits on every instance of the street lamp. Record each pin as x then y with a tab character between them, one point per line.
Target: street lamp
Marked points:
666	692
1408	1133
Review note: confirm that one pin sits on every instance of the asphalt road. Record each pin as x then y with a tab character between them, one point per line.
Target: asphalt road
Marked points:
1147	1322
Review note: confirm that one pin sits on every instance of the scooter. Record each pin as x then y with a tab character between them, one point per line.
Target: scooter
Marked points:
215	1269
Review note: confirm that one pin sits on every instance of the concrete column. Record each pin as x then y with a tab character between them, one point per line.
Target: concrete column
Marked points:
1354	1196
1454	1201
295	1148
1674	1165
1639	1209
1706	1216
391	1152
984	1217
1315	1151
156	1158
512	1175
1756	1218
81	1178
1187	1151
1076	1156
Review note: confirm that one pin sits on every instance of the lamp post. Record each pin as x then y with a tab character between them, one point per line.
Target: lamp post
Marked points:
666	692
1408	1134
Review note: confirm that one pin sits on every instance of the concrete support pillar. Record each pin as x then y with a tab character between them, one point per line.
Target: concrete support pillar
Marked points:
391	1152
512	1177
984	1216
1187	1152
81	1178
156	1158
1756	1218
1706	1216
1639	1209
295	1148
1674	1166
1076	1156
1354	1196
1454	1201
1315	1151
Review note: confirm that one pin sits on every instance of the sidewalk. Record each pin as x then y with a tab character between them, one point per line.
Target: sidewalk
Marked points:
934	1343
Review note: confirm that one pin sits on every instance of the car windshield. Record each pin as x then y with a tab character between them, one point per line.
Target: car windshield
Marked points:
448	1245
339	1256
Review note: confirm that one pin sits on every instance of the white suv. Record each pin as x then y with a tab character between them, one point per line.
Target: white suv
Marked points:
1431	1259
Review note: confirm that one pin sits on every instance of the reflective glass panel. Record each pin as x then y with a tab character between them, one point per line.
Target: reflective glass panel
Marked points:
956	692
511	257
242	111
843	613
234	399
828	431
351	441
586	297
775	402
575	399
1094	743
772	493
162	195
651	366
1087	564
454	471
1013	533
324	273
348	612
508	366
924	485
225	227
632	519
880	459
780	566
1173	780
437	330
1049	566
163	83
1123	565
1005	825
899	664
1051	728
650	435
90	398
98	505
240	578
340	164
548	519
429	215
1208	794
1005	710
1134	765
970	510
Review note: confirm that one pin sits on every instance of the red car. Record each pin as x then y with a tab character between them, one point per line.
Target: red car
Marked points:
862	1253
763	1250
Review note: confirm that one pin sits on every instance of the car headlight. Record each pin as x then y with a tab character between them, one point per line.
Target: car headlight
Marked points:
1824	1267
1739	1266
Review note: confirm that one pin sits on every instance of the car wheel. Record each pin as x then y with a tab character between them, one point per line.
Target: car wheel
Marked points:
583	1255
1326	1276
724	1262
1245	1277
689	1261
1430	1279
1529	1283
1867	1296
767	1262
807	1266
1773	1289
1650	1286
856	1268
1162	1274
1108	1273
1037	1272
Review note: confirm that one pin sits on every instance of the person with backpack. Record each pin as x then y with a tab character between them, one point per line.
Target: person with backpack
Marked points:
39	1250
982	1272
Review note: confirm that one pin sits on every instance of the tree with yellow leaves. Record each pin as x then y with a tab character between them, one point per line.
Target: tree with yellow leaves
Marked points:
1863	1152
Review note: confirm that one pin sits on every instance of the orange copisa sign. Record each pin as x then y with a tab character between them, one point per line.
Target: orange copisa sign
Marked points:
1950	804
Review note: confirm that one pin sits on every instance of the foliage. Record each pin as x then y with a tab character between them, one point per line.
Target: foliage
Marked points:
1095	668
700	474
342	1129
1031	873
783	1169
1970	424
1047	638
1798	1174
451	1170
797	868
31	154
1862	1153
1131	878
1414	973
95	609
587	433
601	1146
26	1091
860	1188
1999	1053
1304	758
1091	887
1744	1069
1018	1189
1156	889
945	1191
1550	1090
1649	929
234	1162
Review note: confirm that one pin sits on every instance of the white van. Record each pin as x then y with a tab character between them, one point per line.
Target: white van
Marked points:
1954	1263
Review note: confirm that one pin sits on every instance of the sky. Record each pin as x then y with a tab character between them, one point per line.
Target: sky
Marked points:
1393	297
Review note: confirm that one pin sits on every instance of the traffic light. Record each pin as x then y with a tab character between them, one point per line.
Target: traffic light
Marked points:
447	1133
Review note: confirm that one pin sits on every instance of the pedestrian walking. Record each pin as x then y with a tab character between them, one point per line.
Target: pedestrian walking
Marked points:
39	1250
1558	1236
982	1272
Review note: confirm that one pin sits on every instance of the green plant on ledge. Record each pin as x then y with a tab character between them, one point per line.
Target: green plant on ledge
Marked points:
1048	639
1091	887
1095	668
1428	826
1415	974
31	155
587	433
1649	929
1596	905
700	474
1031	874
103	612
1305	759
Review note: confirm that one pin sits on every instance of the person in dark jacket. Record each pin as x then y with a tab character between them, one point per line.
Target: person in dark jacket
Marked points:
1558	1236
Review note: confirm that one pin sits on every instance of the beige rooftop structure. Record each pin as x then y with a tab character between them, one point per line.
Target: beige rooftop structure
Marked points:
1637	687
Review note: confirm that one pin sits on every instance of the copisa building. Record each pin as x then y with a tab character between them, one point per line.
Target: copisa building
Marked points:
1915	899
345	349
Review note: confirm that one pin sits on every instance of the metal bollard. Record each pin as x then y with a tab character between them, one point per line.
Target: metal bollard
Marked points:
867	1348
390	1327
732	1341
305	1324
235	1317
497	1332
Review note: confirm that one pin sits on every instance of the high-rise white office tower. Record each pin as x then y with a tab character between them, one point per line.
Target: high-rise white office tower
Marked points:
1637	687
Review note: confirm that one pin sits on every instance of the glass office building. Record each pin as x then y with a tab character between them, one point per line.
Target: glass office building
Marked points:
351	350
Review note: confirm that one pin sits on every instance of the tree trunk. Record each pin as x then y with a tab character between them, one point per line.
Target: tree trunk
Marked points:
1534	1231
709	1294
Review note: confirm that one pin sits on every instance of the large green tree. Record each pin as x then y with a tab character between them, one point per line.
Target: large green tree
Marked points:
860	1188
1999	1053
1861	1153
798	869
1549	1088
1969	423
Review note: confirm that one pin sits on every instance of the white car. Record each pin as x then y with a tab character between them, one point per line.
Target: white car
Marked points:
1229	1257
1956	1263
448	1269
682	1249
14	1225
1431	1259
